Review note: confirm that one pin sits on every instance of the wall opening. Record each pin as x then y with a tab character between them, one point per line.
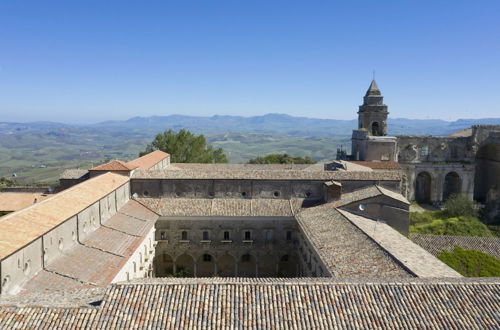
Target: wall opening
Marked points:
452	185
423	187
376	129
487	169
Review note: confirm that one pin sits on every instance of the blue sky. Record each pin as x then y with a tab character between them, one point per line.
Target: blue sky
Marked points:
88	61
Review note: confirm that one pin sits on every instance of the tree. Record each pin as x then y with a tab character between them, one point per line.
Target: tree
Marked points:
185	147
281	159
460	205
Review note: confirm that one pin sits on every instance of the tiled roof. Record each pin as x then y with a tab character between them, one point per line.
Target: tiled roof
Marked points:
73	173
280	304
242	167
436	244
100	256
418	261
377	165
269	175
14	201
222	207
114	165
22	227
368	192
149	160
344	249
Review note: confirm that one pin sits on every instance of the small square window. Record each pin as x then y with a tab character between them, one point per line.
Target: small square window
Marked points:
246	258
184	235
207	258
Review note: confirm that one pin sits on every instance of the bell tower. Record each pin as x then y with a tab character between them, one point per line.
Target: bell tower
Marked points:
370	141
372	115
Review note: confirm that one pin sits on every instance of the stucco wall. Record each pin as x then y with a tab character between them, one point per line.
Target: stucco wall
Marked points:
139	265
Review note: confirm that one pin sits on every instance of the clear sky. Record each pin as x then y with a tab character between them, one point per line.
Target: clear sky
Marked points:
88	61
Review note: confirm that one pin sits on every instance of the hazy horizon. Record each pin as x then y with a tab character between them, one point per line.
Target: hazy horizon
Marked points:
87	62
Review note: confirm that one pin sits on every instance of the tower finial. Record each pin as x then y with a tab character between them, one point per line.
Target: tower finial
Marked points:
373	74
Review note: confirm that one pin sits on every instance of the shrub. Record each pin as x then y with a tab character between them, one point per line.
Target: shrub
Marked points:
436	223
471	263
460	205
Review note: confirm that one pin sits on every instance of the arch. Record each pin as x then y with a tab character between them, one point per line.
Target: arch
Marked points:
452	185
205	266
375	129
163	265
184	265
287	267
423	187
487	169
226	266
267	266
247	266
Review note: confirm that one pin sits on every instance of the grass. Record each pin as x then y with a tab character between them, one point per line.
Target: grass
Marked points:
471	263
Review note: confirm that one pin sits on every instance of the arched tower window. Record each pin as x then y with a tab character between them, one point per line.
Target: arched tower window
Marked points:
376	129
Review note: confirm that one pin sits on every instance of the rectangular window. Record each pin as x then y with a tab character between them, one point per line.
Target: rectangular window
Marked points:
207	258
289	235
248	235
184	236
226	236
268	235
205	236
163	235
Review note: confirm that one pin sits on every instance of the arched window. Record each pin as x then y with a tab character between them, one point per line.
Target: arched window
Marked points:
376	129
452	185
423	188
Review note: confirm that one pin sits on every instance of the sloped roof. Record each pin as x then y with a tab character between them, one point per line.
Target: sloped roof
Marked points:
413	257
231	207
268	175
149	160
368	192
73	173
344	249
436	244
114	165
14	201
22	227
278	304
373	89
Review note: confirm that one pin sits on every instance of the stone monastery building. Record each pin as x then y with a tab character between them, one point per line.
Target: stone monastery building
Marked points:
153	244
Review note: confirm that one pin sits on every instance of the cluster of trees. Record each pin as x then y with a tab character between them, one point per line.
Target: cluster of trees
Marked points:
281	159
6	182
185	147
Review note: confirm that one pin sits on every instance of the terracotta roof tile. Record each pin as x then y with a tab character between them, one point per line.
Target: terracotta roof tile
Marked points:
268	175
22	227
14	201
149	160
114	165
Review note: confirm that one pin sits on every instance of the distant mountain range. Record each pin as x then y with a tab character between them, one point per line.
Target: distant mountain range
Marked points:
40	151
275	124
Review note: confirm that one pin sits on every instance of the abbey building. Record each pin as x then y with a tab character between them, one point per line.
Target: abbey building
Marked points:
433	167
